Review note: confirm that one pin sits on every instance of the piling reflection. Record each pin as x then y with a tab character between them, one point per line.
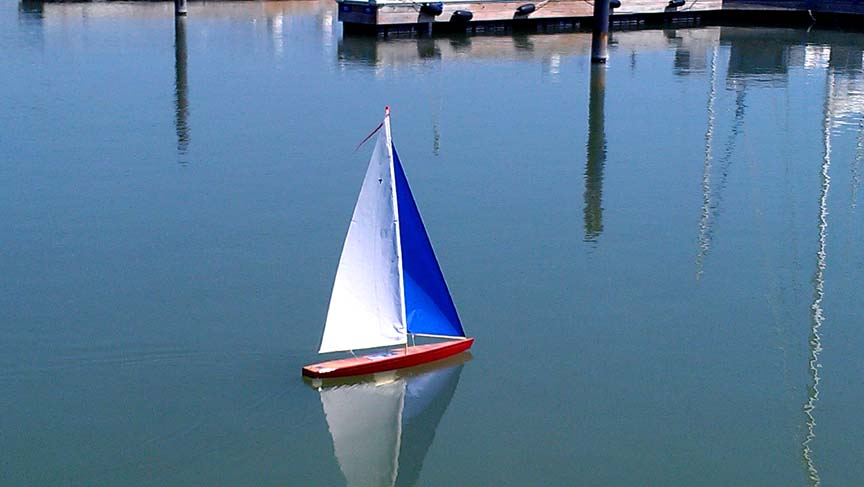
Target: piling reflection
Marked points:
181	87
436	128
856	164
31	9
817	317
31	21
704	243
383	425
428	49
596	154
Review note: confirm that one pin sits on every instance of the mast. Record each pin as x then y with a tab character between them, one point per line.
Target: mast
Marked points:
395	200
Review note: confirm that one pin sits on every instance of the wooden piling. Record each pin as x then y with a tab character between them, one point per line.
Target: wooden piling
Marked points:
179	7
600	32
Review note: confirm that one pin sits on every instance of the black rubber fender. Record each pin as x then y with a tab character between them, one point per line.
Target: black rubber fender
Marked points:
461	16
526	9
432	8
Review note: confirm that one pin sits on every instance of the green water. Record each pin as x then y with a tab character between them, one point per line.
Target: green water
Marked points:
660	260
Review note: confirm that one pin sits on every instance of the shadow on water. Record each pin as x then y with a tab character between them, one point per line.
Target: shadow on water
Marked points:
181	89
596	154
383	425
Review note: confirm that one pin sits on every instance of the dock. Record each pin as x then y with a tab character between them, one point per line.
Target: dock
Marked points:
399	16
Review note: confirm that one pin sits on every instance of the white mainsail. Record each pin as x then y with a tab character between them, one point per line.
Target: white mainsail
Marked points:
366	306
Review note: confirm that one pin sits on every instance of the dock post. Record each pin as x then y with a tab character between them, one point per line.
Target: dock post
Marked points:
600	32
179	7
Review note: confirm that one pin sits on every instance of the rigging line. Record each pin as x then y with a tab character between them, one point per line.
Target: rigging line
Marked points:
375	131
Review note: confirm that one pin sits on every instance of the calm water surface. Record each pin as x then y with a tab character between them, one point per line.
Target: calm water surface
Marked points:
660	261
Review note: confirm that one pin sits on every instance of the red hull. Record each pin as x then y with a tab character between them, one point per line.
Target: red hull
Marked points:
395	358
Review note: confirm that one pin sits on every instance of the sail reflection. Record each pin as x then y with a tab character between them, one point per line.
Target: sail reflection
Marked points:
383	425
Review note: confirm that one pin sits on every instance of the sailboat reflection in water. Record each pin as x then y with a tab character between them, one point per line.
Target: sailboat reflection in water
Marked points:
383	425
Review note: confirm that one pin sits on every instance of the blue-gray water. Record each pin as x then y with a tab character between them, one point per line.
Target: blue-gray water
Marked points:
663	276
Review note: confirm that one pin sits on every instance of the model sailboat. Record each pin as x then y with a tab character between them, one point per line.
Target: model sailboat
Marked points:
388	284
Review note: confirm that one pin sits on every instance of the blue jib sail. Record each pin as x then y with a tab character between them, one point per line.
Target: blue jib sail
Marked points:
429	308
